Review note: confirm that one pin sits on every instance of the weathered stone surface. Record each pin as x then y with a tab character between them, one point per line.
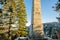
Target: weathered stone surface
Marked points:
37	22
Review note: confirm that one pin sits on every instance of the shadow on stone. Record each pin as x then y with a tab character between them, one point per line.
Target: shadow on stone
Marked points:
37	36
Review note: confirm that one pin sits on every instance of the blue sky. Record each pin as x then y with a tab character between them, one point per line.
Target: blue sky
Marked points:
28	4
0	6
48	13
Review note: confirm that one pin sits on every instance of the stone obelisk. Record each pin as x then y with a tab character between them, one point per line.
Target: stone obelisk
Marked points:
37	20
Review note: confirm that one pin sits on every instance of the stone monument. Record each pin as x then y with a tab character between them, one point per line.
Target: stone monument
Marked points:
37	26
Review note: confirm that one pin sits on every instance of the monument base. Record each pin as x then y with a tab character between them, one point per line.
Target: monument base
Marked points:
37	37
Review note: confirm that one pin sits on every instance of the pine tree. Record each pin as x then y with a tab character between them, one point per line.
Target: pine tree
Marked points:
57	9
21	13
57	6
15	10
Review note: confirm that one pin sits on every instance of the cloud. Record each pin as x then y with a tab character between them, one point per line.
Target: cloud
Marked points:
28	24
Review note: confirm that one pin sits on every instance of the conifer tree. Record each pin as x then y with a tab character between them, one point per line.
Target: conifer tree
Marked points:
57	6
57	9
15	10
21	13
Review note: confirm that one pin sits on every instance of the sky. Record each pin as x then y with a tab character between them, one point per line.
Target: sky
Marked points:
48	13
